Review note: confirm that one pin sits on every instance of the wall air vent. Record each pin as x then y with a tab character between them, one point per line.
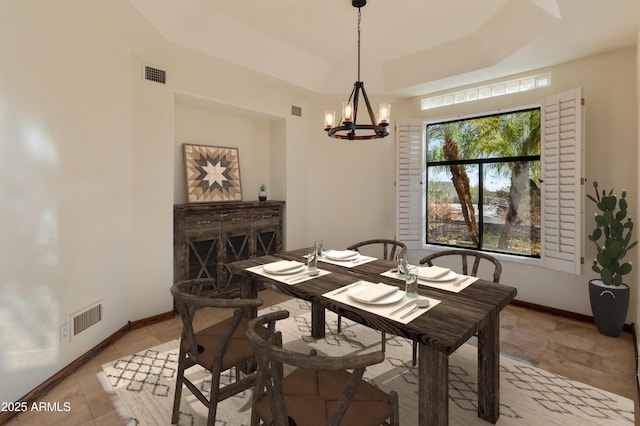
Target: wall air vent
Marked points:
86	318
296	110
155	74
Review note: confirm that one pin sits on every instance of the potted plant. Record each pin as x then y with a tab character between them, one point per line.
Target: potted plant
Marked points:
262	194
609	296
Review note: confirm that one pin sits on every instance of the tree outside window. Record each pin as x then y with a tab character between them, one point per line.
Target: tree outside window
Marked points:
483	183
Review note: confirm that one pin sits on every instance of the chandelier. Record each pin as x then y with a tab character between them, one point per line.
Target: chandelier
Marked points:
348	122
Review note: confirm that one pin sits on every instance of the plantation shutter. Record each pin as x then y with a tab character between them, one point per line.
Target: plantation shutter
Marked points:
410	169
562	152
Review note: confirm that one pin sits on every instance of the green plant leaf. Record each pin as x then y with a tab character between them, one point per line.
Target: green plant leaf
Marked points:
612	236
609	202
623	203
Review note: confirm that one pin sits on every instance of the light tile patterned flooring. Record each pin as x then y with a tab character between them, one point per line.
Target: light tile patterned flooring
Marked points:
564	346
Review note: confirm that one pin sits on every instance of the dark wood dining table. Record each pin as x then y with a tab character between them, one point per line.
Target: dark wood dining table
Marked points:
440	331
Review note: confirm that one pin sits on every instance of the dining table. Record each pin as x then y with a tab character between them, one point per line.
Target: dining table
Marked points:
456	317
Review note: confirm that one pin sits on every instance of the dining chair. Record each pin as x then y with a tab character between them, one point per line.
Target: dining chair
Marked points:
478	258
319	390
216	348
466	259
390	250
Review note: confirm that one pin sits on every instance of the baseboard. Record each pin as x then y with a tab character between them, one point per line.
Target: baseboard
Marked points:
567	314
151	320
54	380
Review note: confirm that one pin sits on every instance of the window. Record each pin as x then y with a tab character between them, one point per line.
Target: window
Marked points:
497	89
560	175
483	182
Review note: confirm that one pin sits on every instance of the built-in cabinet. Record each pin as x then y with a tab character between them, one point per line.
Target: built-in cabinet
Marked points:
207	236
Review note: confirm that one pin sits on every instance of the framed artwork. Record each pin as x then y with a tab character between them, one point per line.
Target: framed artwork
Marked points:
212	173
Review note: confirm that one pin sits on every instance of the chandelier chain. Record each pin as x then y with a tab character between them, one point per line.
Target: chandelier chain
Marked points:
359	18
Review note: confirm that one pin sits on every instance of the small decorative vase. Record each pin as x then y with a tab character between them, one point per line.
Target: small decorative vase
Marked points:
609	305
262	195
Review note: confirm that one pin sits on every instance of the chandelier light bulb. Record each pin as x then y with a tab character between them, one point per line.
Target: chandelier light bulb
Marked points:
347	112
383	113
329	119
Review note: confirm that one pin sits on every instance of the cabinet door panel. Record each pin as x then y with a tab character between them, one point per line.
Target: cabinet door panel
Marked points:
267	226
202	257
236	247
267	241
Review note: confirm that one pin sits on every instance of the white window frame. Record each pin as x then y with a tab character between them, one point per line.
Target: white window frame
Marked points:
562	188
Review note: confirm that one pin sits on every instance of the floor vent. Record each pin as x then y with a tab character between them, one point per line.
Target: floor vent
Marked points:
155	74
87	318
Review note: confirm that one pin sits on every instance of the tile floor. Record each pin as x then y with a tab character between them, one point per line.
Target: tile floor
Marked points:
565	346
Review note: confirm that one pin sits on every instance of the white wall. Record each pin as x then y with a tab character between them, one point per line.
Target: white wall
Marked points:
350	183
212	103
208	124
91	169
65	191
152	183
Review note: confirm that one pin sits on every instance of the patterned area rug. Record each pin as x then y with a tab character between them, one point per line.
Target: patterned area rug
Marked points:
144	382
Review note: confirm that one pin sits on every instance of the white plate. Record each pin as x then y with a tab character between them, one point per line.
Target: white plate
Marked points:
330	255
288	271
392	298
447	277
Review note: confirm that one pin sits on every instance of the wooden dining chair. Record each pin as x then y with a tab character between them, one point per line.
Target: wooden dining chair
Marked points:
217	348
466	259
389	249
320	390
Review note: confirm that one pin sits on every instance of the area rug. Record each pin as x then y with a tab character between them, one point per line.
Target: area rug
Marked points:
144	382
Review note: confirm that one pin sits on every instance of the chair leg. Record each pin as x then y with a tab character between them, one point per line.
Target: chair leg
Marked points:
258	389
414	358
384	341
339	323
395	417
213	397
175	415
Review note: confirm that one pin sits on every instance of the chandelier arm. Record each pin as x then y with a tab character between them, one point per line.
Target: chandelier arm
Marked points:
356	88
366	101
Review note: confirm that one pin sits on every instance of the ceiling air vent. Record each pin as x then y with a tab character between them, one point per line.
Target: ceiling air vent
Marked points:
155	74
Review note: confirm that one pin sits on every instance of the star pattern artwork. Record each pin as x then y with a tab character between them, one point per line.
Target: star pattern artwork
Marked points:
212	173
